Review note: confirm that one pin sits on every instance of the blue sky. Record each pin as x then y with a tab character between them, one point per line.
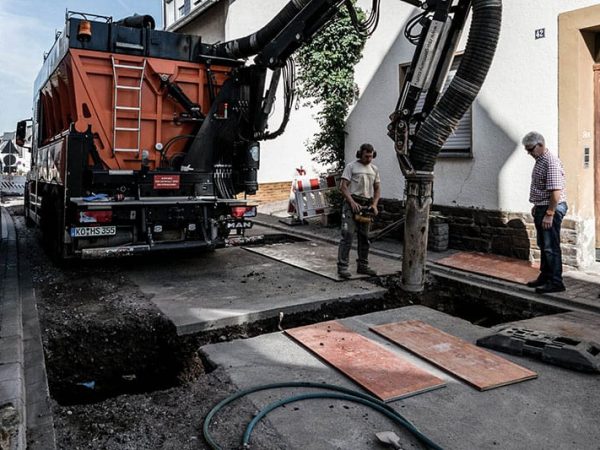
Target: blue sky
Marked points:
27	31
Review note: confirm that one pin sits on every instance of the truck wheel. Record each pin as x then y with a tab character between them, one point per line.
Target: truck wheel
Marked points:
51	225
28	220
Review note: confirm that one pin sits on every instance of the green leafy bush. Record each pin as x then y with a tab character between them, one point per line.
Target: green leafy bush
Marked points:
326	81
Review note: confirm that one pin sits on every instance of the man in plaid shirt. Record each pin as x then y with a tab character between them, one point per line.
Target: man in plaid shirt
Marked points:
547	193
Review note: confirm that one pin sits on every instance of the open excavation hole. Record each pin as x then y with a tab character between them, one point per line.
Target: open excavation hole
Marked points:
90	362
480	306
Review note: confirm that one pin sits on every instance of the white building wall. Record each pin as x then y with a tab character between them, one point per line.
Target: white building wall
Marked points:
230	20
280	157
519	95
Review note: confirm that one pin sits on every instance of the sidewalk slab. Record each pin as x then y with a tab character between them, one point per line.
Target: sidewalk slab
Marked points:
574	325
235	287
557	410
321	258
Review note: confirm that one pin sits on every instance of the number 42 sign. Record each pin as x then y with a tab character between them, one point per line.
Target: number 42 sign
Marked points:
540	33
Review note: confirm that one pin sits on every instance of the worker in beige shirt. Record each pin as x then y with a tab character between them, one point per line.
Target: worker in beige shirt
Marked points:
360	187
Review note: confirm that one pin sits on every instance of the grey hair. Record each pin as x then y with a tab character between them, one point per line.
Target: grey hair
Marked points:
533	138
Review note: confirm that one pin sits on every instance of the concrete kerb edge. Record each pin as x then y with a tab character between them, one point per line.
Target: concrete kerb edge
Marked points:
40	422
508	288
12	396
249	318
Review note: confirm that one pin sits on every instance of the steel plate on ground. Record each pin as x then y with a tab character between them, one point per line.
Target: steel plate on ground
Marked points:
480	368
321	258
378	370
503	267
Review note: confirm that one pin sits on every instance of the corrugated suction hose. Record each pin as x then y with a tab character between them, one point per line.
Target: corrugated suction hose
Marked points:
476	61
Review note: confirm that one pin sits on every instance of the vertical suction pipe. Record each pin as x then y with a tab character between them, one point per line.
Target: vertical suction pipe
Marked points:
419	198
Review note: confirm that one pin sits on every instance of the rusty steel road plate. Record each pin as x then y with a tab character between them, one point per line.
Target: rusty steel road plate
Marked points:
497	266
480	368
378	370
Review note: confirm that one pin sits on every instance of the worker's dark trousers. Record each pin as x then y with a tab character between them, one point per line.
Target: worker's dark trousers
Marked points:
549	243
349	227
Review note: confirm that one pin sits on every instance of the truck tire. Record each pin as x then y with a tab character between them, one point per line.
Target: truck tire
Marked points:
26	205
51	225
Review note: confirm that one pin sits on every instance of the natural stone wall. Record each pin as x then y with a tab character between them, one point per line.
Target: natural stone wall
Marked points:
503	233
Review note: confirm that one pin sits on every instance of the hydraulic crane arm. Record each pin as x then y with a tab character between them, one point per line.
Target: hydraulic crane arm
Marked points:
418	135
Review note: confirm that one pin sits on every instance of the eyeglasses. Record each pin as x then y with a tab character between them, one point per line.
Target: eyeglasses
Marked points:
530	149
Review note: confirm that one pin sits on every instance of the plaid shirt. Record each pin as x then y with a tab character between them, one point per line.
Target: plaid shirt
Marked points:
548	175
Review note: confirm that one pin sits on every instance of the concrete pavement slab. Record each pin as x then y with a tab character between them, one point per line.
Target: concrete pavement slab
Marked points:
233	287
557	410
321	258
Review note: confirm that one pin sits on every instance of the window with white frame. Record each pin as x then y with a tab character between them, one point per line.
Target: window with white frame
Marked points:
459	144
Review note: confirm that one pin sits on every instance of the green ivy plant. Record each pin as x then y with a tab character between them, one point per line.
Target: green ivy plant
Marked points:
326	81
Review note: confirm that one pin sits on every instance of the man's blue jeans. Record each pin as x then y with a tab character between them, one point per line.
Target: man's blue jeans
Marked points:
548	240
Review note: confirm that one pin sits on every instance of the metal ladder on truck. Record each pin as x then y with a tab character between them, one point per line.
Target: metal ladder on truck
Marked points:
119	75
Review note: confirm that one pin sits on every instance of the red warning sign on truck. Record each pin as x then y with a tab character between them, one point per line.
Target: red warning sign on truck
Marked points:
166	181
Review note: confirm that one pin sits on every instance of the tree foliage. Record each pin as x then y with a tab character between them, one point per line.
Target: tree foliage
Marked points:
326	81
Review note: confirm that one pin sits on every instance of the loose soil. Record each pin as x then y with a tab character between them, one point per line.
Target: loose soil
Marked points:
119	376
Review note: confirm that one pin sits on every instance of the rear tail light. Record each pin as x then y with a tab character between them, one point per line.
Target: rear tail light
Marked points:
243	211
95	216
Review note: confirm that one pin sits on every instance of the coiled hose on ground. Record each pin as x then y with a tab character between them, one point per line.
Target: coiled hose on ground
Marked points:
340	393
476	61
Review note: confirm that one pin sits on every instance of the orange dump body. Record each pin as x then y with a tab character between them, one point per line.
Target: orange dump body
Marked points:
140	143
102	91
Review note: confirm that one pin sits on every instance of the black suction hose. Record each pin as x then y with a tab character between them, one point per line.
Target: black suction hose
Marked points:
253	43
476	61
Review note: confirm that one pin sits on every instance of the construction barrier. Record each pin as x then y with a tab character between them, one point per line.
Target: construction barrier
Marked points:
309	197
12	184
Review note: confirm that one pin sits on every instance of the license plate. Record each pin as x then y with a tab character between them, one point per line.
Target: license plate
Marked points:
93	231
239	225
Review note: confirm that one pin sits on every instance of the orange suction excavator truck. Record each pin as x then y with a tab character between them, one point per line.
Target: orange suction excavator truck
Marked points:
118	106
145	140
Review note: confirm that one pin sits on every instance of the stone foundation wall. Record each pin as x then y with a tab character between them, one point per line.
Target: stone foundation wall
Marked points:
502	233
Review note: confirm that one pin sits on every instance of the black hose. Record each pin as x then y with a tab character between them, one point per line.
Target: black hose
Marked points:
474	66
253	43
138	21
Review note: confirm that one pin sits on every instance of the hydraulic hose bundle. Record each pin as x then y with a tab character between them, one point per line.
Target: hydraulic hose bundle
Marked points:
476	61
